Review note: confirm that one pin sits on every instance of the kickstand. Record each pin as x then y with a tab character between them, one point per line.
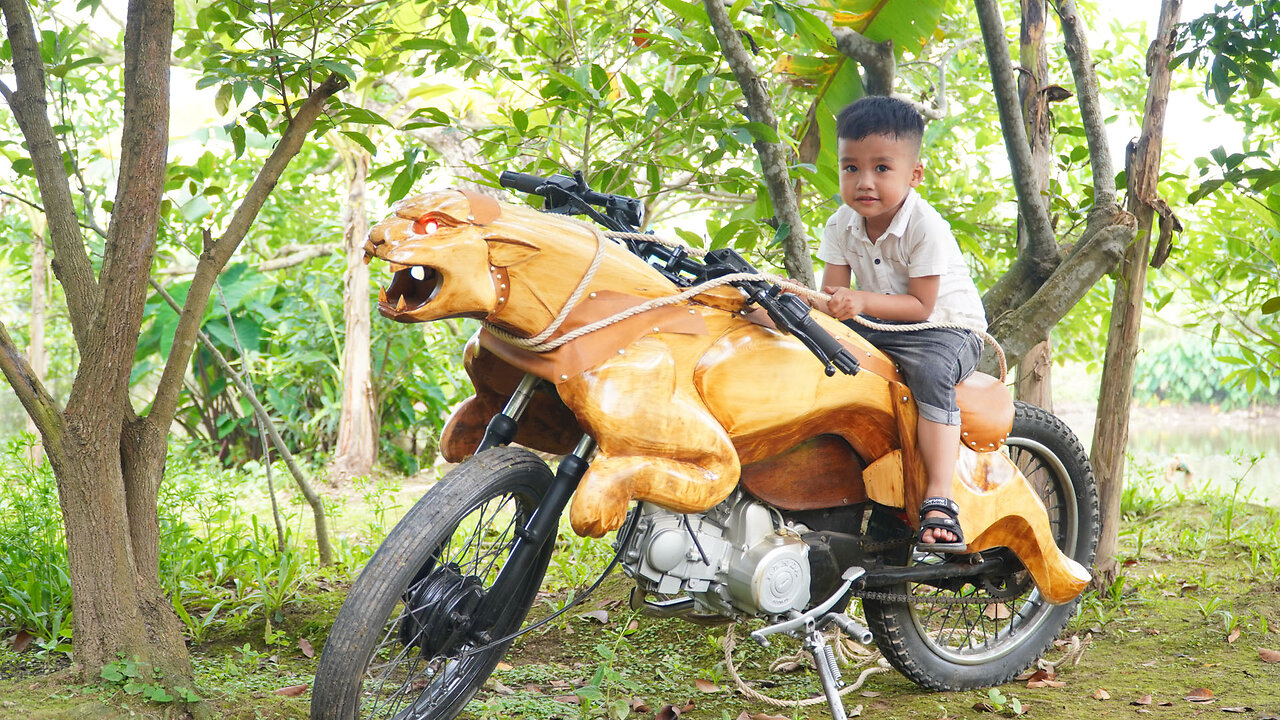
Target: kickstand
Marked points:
808	628
824	659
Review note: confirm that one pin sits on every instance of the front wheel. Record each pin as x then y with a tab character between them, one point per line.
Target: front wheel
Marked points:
401	645
985	631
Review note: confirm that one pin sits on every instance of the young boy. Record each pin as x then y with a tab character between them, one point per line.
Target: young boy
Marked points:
909	270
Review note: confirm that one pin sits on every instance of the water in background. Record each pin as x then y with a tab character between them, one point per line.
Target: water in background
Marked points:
1215	446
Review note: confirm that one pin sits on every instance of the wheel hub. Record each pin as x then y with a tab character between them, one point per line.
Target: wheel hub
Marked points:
440	610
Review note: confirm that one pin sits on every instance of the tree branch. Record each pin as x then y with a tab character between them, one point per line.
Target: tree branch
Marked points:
1076	46
215	257
773	156
131	235
324	546
33	395
877	61
28	103
1025	326
1041	250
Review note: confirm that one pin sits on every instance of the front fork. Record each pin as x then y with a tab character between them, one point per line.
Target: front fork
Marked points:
545	520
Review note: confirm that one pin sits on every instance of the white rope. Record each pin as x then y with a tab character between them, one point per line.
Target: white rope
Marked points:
539	342
799	289
730	641
624	314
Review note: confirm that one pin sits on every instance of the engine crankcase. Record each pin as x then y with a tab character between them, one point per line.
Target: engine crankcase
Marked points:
738	557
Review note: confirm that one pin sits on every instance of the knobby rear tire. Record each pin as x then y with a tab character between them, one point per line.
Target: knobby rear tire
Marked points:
961	647
467	520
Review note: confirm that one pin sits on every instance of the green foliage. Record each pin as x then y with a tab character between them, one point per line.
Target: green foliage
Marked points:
1007	705
134	678
285	339
35	590
1190	369
1238	44
1235	270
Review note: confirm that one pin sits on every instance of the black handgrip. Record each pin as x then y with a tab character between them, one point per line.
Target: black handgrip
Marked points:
524	182
807	328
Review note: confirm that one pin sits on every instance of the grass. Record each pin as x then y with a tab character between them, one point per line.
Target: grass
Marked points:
1197	595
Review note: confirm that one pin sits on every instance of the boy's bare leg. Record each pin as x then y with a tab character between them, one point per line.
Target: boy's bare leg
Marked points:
939	445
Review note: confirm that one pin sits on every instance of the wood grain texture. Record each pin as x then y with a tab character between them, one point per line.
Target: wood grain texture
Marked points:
998	508
822	472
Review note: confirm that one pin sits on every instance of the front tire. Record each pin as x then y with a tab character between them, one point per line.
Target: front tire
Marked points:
397	647
987	630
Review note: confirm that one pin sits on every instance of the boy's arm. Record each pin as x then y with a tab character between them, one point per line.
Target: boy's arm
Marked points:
833	276
916	305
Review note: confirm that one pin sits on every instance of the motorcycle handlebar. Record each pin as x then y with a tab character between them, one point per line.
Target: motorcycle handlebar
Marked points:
537	185
524	182
571	194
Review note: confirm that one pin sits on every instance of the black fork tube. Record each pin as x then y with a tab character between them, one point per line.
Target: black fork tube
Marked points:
530	539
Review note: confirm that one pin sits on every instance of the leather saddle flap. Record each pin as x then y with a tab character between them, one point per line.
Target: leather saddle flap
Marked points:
986	412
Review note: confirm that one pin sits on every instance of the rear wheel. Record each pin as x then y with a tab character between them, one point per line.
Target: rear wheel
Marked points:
984	631
401	645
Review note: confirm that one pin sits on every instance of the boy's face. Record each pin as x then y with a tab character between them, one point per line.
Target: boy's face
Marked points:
876	173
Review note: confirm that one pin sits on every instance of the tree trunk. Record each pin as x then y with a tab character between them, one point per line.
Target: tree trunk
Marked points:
107	461
119	605
1034	372
1111	430
774	157
357	448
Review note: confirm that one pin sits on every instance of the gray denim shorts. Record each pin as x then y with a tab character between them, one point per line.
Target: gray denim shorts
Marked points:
932	363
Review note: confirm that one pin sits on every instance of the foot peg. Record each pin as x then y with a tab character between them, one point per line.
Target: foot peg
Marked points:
808	628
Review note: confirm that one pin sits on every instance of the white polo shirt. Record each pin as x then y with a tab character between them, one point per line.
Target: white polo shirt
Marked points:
918	243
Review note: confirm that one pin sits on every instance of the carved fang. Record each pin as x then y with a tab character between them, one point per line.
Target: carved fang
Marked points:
382	295
368	257
401	304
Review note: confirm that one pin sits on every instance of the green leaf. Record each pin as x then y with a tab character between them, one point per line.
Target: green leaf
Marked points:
196	208
361	116
762	132
1271	306
786	23
692	12
520	120
784	230
237	139
338	68
156	693
222	103
458	25
362	140
133	687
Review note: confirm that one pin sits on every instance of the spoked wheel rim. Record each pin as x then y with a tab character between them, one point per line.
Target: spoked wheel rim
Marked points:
414	669
974	633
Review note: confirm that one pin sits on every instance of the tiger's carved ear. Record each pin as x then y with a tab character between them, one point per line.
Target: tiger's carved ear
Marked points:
505	252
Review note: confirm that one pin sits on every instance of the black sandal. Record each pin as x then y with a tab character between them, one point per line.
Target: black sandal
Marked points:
950	524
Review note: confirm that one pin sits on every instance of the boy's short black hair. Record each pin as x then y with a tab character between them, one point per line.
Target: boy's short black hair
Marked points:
879	115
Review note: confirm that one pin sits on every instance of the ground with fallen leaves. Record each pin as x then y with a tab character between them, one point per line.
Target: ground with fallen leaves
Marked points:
1189	630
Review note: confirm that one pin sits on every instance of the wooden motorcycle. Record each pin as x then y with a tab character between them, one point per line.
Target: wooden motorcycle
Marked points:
746	480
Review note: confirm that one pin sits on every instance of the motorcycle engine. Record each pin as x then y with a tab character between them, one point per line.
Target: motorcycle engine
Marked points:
736	557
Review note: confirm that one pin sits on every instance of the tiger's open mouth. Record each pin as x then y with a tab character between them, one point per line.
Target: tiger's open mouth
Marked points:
411	288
